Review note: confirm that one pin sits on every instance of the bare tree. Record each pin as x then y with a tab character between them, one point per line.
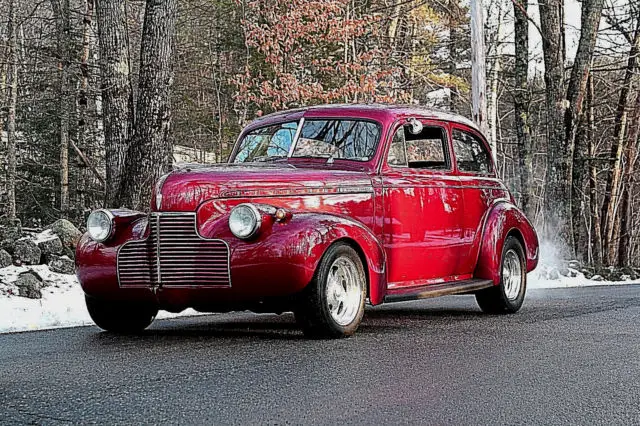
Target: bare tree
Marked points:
576	90
630	158
63	35
149	154
117	95
521	101
11	115
557	185
611	194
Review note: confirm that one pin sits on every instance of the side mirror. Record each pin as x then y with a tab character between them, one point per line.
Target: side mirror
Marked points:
415	126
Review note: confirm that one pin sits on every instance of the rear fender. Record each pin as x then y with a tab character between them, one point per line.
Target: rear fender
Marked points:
503	220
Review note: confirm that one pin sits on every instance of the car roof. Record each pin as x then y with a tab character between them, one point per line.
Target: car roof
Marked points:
379	112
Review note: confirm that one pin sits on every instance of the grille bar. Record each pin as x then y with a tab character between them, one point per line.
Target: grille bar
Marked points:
174	255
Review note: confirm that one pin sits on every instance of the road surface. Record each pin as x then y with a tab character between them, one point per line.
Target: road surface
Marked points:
571	356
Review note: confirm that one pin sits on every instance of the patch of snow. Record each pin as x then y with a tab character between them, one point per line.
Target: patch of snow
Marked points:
62	303
43	236
537	279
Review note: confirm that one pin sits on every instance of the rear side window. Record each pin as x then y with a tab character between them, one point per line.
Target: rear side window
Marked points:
426	150
471	154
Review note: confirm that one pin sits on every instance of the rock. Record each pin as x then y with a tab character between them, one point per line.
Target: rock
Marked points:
564	271
7	245
588	272
574	264
597	278
71	254
5	259
29	285
49	244
26	252
629	273
67	232
62	265
553	274
10	229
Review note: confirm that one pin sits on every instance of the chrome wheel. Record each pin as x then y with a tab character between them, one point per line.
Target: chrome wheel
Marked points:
344	290
511	274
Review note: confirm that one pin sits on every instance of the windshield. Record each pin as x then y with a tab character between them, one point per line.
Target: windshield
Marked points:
337	139
266	143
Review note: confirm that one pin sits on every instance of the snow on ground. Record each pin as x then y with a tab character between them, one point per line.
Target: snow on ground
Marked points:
62	303
537	279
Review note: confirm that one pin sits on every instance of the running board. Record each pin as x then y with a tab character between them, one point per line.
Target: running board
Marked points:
435	290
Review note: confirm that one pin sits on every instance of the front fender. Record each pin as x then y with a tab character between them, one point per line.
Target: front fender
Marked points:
288	253
96	263
504	219
327	229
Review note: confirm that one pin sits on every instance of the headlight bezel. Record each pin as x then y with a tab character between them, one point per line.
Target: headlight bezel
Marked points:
110	231
257	224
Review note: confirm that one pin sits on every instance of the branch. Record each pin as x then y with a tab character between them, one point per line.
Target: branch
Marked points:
86	161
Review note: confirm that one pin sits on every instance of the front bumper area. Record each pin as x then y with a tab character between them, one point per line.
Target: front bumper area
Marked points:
165	259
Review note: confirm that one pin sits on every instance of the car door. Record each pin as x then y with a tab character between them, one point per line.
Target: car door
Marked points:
422	207
480	189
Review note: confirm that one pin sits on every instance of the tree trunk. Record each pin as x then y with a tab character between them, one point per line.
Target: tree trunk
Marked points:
149	154
576	89
478	72
63	34
453	19
558	178
611	195
11	114
630	157
521	102
117	96
596	235
83	98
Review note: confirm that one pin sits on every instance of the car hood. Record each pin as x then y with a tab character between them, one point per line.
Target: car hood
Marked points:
185	189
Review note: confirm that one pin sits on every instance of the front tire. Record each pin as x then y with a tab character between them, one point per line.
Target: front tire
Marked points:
507	298
332	305
120	317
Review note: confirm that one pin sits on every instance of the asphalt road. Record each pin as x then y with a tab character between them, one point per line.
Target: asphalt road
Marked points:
569	357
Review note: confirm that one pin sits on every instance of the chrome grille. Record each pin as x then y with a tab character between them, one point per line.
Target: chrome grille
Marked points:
173	255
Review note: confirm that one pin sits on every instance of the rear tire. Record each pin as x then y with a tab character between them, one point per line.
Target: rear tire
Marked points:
120	317
332	305
507	298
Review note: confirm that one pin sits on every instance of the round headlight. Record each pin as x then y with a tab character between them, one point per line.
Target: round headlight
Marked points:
244	221
100	225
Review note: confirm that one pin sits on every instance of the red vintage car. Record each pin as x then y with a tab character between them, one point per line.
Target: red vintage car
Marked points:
317	211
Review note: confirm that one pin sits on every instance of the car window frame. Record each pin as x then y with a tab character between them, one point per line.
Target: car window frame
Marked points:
248	129
484	143
378	125
444	128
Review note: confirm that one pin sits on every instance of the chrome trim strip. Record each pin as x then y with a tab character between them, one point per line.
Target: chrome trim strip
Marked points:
327	190
159	271
197	232
296	136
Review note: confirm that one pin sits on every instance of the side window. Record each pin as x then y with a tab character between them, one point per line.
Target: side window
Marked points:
471	154
426	150
397	155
